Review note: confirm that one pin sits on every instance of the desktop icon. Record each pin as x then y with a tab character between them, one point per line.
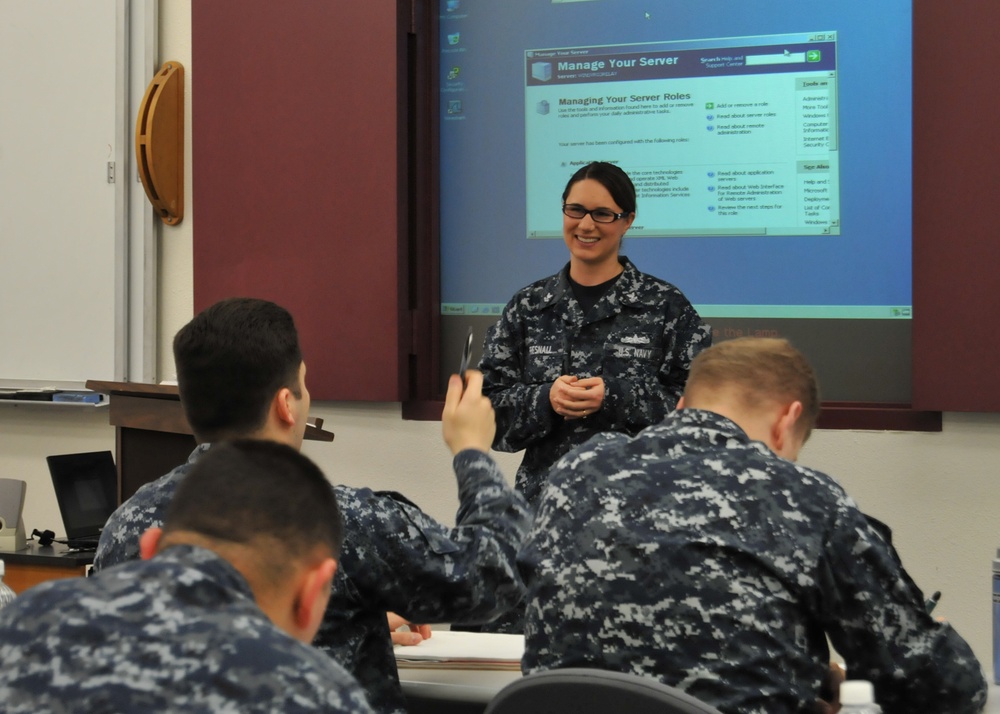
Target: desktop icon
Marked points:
453	73
454	106
452	5
453	38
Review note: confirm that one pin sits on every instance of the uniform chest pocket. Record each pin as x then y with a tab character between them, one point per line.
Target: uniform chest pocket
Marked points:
622	359
544	363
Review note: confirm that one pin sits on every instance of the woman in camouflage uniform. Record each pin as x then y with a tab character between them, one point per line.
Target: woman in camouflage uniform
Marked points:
598	346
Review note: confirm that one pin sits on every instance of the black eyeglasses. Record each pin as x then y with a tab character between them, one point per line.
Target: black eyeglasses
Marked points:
600	215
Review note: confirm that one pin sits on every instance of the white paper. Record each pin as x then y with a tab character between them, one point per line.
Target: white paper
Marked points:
444	645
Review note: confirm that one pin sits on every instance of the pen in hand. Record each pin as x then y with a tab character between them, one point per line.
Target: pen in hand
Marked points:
932	601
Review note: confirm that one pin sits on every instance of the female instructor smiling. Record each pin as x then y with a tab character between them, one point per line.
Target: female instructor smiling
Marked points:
597	347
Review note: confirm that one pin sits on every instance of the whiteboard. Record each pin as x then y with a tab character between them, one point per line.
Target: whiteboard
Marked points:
62	231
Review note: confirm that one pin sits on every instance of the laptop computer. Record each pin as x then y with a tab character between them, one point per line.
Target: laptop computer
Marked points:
86	486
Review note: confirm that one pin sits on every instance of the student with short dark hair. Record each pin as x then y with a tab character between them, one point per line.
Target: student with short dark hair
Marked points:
241	375
232	359
697	552
275	500
217	617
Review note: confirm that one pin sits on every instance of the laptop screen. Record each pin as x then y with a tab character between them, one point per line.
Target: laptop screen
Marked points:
85	486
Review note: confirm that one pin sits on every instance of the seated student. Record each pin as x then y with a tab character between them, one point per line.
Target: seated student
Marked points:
213	620
241	375
698	553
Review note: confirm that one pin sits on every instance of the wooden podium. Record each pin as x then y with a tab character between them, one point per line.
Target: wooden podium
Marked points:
152	435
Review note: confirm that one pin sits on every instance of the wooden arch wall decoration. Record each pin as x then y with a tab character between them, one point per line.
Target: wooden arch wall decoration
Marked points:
159	143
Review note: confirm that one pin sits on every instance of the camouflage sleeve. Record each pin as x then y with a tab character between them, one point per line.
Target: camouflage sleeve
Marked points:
523	412
878	621
640	398
427	572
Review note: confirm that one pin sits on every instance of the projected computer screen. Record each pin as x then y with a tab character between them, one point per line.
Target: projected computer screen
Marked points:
727	137
769	143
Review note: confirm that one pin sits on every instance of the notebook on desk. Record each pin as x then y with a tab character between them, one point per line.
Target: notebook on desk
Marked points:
463	650
85	486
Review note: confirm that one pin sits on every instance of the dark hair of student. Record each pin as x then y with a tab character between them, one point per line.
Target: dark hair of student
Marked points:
616	181
231	360
242	490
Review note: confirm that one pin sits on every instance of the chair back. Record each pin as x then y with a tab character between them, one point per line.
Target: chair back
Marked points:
593	691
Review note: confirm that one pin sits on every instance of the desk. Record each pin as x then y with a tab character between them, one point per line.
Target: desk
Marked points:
38	563
470	685
474	689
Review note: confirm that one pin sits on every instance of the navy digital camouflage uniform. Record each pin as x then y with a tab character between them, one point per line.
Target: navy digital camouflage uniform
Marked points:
178	633
640	337
394	557
146	508
694	555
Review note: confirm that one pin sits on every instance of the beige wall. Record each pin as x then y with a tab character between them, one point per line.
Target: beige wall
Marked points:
937	491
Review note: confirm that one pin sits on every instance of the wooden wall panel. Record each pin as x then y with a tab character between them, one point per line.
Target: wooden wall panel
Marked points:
956	242
298	188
